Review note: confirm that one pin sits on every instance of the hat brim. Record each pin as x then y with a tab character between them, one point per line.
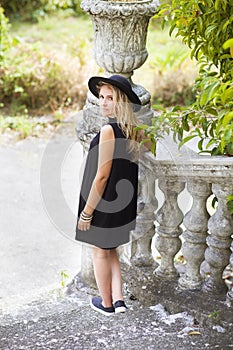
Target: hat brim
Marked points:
132	96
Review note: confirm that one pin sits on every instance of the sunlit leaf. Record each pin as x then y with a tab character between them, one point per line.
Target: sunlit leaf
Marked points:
228	44
194	333
186	139
227	119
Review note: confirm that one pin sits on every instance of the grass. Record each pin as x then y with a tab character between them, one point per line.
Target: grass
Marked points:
55	32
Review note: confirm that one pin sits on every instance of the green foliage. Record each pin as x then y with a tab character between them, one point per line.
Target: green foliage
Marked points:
20	124
34	80
45	68
215	315
230	203
4	35
23	126
160	126
34	10
206	28
64	277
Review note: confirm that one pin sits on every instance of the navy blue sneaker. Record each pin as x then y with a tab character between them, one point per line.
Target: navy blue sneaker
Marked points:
119	306
96	304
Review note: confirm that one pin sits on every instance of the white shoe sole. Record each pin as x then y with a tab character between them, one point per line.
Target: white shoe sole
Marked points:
101	311
120	309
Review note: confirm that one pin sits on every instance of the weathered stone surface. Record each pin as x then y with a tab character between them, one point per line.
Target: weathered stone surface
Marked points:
120	33
157	323
194	245
148	289
169	218
219	241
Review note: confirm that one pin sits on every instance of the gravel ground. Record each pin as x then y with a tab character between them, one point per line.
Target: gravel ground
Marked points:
69	323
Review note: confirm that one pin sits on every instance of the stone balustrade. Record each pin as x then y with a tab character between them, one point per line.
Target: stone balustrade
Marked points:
120	31
205	238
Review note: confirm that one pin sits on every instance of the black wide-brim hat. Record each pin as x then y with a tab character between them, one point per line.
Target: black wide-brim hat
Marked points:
121	83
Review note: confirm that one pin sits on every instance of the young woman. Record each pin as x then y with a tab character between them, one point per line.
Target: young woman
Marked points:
108	198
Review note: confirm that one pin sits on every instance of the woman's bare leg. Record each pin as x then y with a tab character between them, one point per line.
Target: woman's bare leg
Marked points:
103	274
116	281
107	272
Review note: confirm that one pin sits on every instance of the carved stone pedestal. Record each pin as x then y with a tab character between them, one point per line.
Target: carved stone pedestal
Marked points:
120	31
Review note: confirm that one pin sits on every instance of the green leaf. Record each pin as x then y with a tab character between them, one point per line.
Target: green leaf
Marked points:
200	144
228	135
216	4
227	95
186	139
212	129
210	29
159	107
228	43
185	125
198	132
222	145
180	133
202	7
144	141
176	108
210	143
172	29
208	93
215	151
227	118
153	148
212	111
141	127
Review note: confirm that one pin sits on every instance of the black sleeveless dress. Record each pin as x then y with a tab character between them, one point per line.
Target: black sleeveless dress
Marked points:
115	214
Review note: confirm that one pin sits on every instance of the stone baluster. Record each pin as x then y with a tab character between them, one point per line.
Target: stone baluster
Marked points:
169	217
195	221
219	241
144	231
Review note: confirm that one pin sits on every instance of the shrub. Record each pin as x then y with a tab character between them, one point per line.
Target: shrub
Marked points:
174	77
33	10
206	28
4	35
32	79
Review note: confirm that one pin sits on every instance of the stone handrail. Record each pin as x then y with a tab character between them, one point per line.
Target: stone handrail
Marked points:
206	238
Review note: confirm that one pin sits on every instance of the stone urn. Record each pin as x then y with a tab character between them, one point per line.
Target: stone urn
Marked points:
120	32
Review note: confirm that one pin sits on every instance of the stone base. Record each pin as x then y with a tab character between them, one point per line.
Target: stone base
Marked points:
148	289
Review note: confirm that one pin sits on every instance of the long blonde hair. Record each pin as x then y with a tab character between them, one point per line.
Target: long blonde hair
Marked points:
125	116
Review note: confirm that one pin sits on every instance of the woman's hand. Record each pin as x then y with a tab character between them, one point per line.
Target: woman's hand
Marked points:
84	222
83	225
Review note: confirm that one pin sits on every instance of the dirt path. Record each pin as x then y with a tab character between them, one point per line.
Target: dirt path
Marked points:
34	249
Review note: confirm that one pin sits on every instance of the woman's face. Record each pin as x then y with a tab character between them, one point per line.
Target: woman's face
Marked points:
106	101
